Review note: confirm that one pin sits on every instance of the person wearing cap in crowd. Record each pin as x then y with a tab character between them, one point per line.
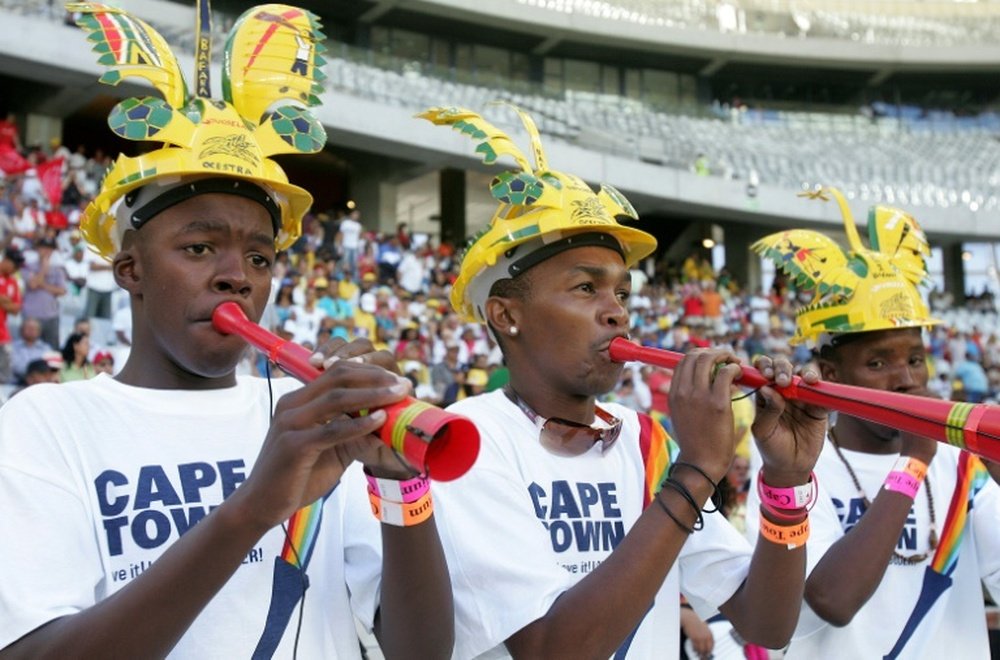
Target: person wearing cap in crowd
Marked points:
904	528
46	369
199	506
104	363
576	516
44	284
10	303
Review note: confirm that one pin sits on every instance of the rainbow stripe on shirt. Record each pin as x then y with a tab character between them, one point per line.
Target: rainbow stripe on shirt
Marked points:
302	527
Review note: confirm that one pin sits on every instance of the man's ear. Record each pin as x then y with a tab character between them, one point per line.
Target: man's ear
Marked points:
502	314
828	370
126	266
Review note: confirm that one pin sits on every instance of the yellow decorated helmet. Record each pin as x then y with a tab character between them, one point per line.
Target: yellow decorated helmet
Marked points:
541	212
271	74
861	289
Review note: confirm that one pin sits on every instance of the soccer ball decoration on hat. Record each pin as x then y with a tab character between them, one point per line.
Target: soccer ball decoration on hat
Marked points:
271	76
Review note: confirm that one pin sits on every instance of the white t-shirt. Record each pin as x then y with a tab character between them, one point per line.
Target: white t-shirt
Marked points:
100	278
350	234
523	526
955	626
98	478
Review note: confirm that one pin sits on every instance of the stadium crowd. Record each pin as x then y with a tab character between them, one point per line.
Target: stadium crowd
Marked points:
63	318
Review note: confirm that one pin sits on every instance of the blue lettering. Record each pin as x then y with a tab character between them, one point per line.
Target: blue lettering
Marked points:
907	539
613	533
586	532
232	475
153	485
855	511
563	502
102	484
113	528
185	522
561	534
588	496
194	477
537	493
609	499
140	529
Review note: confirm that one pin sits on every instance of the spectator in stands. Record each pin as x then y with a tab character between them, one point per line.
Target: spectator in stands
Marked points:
10	303
972	376
42	370
29	346
9	135
389	256
45	284
76	360
350	243
443	373
104	363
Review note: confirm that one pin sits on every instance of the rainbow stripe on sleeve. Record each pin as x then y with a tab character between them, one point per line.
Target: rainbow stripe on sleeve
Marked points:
657	454
972	476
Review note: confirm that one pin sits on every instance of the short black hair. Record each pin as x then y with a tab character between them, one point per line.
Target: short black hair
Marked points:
518	288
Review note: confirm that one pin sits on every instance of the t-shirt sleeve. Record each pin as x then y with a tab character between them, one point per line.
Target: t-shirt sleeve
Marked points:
49	558
824	530
713	564
504	572
362	547
986	532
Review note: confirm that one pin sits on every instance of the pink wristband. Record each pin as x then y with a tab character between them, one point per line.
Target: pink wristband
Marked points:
902	482
787	499
392	490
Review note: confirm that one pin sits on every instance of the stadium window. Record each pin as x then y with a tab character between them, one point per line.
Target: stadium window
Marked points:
463	63
659	88
582	76
552	81
380	39
520	68
492	65
441	54
633	83
688	90
610	80
410	45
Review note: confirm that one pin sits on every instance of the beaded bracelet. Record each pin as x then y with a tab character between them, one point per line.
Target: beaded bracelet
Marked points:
394	490
402	514
792	536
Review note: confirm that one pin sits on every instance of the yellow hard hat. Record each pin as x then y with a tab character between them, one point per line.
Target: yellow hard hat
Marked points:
861	289
271	75
541	212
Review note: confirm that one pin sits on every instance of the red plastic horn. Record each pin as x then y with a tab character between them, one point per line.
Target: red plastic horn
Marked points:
974	427
445	445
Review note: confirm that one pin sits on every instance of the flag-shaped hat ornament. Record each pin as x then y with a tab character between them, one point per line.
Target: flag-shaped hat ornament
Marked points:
541	212
859	289
271	76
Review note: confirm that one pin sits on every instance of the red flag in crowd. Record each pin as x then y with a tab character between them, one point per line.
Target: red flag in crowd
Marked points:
50	174
11	162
